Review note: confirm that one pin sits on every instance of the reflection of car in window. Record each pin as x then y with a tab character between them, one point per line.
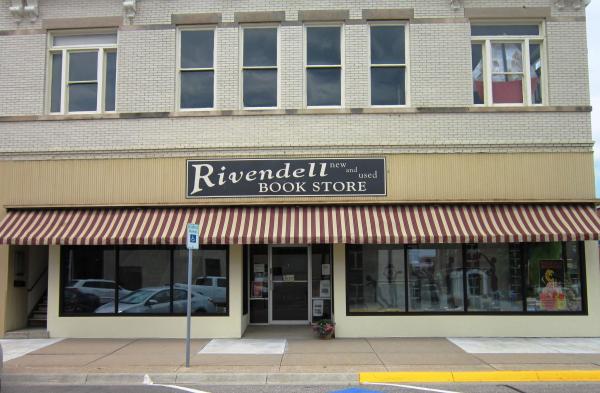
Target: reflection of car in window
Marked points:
103	289
214	287
157	300
76	301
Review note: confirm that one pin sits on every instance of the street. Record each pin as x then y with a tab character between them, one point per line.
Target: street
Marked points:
454	388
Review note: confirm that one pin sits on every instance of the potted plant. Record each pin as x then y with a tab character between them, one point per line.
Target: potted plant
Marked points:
325	328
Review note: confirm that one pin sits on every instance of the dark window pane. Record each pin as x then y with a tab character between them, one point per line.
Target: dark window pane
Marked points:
323	46
197	89
83	66
387	45
505	30
324	86
260	88
111	81
83	97
197	49
209	280
260	47
56	82
375	278
477	69
387	86
494	278
553	283
435	278
89	274
536	73
259	270
147	274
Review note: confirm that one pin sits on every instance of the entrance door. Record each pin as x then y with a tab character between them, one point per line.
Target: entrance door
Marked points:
289	289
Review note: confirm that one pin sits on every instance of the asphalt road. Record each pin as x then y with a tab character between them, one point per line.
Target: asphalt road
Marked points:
454	388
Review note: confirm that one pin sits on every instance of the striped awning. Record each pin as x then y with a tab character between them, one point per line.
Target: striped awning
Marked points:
382	224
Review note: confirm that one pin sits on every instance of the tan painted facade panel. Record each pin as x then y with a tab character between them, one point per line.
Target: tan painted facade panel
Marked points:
411	178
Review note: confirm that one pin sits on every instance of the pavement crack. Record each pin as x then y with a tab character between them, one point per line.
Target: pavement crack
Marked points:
513	388
376	354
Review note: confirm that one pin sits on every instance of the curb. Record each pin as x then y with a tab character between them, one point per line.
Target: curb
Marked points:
482	376
184	379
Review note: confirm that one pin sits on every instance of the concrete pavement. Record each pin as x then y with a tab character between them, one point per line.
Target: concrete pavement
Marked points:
337	361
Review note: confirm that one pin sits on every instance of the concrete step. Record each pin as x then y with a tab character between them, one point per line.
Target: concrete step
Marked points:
27	334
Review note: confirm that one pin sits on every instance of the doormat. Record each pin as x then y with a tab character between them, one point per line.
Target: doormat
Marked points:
244	346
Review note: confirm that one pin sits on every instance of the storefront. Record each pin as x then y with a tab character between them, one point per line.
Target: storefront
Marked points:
375	266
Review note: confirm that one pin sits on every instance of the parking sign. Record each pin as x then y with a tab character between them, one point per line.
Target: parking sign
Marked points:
193	243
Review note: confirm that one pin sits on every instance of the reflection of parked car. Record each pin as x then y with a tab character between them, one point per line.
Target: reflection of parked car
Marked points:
104	289
212	286
156	300
76	301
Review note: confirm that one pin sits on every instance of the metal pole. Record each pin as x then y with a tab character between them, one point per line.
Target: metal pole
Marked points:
189	310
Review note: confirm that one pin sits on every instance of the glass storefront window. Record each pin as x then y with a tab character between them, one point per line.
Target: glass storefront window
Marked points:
147	274
435	278
89	280
493	277
554	277
152	280
209	280
375	279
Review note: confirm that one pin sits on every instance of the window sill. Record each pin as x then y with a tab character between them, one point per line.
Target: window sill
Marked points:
308	111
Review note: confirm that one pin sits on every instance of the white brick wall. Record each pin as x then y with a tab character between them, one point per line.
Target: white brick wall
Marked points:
22	74
146	71
440	64
315	133
439	68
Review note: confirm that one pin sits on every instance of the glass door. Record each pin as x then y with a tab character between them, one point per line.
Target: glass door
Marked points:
289	289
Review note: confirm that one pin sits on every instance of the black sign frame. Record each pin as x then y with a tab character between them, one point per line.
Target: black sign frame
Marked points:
379	162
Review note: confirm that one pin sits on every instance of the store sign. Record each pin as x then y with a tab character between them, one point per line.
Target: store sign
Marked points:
294	177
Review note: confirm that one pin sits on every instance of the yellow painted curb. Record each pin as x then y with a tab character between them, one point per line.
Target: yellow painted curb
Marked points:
482	376
418	376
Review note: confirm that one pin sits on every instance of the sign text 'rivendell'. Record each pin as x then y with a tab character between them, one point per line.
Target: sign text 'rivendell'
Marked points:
295	177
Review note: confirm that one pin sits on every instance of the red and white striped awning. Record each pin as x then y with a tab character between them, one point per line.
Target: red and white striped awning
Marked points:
383	224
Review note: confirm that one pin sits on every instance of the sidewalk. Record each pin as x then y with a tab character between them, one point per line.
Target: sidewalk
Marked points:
341	359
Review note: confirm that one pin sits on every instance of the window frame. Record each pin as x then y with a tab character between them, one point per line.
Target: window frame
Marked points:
64	255
276	67
407	96
524	260
525	41
65	51
341	66
179	69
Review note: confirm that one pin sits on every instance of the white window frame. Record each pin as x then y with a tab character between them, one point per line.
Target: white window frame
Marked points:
180	69
341	66
405	24
65	51
525	41
276	67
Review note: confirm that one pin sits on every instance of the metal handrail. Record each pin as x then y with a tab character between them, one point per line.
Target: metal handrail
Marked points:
38	280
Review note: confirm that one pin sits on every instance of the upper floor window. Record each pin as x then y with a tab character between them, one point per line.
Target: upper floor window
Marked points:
259	67
507	64
83	72
388	65
323	66
196	70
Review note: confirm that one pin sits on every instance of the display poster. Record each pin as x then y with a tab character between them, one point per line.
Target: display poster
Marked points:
317	308
259	268
325	288
552	277
326	269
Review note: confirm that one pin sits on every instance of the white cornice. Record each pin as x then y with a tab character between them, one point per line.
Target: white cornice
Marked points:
129	6
573	4
456	4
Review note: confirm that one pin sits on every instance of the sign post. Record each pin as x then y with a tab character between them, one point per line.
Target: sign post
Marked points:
193	243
